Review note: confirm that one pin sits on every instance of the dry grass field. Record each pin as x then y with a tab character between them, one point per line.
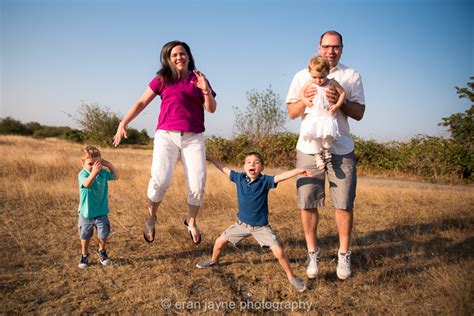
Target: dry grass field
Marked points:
412	245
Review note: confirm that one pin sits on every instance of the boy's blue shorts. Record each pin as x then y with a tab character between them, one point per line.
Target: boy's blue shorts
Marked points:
86	226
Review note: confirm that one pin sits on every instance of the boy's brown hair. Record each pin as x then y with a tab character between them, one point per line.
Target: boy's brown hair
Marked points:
90	152
256	154
319	64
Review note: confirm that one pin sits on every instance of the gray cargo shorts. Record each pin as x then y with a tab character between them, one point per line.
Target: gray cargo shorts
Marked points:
342	176
264	235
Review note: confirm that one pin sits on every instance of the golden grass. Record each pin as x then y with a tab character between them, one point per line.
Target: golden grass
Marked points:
412	245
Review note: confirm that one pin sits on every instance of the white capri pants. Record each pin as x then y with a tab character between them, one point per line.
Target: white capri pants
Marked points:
167	147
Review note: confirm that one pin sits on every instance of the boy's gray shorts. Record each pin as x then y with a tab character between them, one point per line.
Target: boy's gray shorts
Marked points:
264	235
86	226
342	176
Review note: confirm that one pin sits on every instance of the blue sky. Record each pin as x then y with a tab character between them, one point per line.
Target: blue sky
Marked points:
410	53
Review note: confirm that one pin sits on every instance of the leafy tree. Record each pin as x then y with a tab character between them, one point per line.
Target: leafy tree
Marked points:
461	127
9	125
33	126
98	125
467	92
262	117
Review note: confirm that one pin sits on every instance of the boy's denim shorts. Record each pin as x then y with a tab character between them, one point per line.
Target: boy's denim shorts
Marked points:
86	227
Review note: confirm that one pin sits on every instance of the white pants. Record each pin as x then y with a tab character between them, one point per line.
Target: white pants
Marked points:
168	145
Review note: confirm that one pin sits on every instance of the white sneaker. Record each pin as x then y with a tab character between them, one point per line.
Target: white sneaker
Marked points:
313	263
343	269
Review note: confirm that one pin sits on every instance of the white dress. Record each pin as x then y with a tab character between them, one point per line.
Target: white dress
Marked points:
318	123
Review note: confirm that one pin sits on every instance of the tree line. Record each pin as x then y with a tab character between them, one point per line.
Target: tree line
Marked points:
98	126
434	158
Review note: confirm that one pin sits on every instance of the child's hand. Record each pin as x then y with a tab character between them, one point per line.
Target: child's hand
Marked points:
306	173
332	109
97	167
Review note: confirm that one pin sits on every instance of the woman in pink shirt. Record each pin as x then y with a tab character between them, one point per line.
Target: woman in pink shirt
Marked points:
185	94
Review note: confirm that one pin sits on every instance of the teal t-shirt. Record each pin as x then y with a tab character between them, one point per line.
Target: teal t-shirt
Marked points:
94	200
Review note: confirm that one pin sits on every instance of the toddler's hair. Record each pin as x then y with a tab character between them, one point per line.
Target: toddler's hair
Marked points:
319	64
256	154
90	152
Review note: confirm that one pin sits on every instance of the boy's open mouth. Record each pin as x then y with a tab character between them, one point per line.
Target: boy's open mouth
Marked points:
252	170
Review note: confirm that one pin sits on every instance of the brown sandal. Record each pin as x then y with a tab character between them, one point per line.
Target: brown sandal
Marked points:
190	231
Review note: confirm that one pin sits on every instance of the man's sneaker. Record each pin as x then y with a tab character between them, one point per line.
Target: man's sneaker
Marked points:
298	284
104	259
84	261
343	269
313	263
319	161
206	264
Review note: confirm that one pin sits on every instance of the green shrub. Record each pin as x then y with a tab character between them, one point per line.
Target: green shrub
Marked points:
51	131
432	158
136	137
278	149
75	136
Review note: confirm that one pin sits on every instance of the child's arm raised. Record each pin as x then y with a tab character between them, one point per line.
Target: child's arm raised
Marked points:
94	172
219	165
112	168
341	99
291	173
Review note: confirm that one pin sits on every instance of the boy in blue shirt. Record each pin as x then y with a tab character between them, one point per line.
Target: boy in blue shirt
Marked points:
93	202
252	195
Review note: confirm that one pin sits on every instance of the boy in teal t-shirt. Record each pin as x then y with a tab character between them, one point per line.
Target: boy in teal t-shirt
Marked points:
93	203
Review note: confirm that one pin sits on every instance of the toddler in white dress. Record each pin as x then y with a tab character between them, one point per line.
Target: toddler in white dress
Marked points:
319	124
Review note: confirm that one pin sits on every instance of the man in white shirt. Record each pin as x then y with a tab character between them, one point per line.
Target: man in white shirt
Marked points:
341	170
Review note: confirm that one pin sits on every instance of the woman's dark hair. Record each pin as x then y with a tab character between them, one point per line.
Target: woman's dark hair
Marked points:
168	73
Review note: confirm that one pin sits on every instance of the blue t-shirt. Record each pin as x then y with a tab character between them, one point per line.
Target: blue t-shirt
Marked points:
253	197
94	201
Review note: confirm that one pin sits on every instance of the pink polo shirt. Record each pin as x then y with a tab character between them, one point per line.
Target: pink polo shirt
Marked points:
182	105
